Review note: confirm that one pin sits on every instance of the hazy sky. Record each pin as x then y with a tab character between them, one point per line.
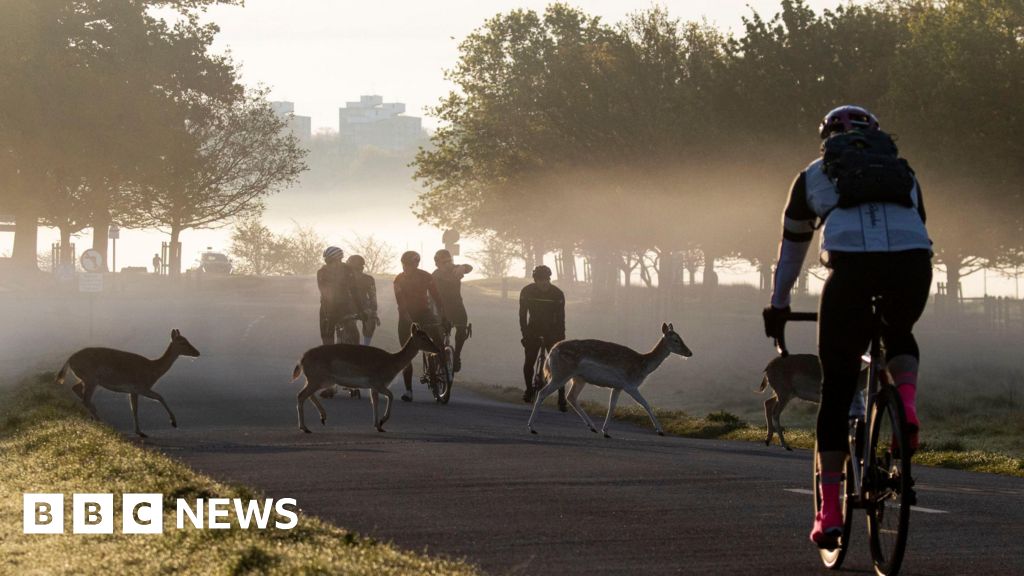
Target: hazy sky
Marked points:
322	53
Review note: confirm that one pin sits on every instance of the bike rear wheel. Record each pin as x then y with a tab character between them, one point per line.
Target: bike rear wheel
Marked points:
889	486
833	559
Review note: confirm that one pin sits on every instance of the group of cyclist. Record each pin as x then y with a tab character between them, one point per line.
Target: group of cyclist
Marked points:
433	301
874	243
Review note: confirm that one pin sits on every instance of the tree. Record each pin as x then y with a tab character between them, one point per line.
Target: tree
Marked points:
237	153
304	249
257	250
380	257
94	92
495	258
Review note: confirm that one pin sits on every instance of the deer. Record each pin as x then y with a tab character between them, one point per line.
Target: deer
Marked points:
120	371
793	376
354	366
608	365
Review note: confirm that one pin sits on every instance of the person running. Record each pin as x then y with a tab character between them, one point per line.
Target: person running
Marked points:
873	244
366	287
542	323
418	302
448	277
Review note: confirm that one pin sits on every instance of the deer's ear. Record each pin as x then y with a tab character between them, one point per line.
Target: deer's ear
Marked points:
414	328
671	328
175	333
664	328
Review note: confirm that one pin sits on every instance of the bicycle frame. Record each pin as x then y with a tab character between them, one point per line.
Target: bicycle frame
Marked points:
872	479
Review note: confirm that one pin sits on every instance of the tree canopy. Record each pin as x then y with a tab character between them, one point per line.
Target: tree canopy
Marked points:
657	136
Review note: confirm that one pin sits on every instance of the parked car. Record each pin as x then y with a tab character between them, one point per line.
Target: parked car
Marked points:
214	263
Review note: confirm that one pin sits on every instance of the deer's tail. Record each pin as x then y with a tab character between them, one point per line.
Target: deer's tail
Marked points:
63	372
297	371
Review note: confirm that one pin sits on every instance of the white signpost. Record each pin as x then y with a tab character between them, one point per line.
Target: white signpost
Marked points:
91	281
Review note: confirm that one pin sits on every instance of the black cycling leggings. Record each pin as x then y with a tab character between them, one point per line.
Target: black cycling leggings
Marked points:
903	279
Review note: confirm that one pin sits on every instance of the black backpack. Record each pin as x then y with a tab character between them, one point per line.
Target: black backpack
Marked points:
866	168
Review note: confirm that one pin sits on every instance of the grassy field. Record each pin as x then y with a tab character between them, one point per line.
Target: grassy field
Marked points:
48	444
942	448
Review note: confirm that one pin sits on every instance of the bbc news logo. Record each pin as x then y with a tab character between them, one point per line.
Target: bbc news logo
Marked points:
144	513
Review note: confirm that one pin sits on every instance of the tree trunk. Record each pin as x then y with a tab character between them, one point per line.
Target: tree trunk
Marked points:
66	255
568	264
25	255
765	269
953	267
710	276
100	228
174	253
528	264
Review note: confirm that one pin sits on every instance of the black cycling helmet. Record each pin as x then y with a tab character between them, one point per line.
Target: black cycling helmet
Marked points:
541	271
846	118
411	258
442	256
333	253
356	261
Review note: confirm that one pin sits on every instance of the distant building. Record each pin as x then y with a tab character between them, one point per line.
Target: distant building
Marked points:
372	122
301	126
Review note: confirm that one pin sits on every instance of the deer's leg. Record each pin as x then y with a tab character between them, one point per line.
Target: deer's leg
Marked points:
87	392
769	419
575	387
160	399
307	391
613	398
387	411
78	388
776	415
133	399
635	394
544	392
320	409
374	401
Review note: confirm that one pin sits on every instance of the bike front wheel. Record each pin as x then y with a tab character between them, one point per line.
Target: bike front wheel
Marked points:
833	559
889	485
446	375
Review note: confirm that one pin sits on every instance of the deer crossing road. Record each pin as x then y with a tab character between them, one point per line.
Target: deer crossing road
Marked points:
468	479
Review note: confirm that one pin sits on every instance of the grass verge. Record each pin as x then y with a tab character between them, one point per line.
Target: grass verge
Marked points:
49	444
726	426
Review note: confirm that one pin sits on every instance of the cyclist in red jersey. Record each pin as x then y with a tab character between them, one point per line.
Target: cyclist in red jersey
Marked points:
419	302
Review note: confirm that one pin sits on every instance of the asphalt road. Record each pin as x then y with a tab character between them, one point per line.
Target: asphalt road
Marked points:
468	480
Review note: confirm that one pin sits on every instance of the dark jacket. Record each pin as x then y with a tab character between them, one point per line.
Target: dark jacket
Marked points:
338	288
542	313
415	292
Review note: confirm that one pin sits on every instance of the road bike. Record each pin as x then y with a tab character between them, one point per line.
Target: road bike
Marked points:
877	477
439	370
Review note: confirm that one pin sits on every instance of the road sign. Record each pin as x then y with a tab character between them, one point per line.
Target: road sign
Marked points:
90	282
92	261
114	232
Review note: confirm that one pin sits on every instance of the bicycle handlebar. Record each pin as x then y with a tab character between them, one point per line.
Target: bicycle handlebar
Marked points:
780	342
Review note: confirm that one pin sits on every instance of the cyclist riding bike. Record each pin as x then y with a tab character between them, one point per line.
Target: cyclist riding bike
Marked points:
339	299
448	277
542	323
418	302
366	295
875	244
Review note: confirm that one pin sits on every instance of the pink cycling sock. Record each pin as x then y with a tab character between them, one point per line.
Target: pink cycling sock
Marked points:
830	513
906	385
